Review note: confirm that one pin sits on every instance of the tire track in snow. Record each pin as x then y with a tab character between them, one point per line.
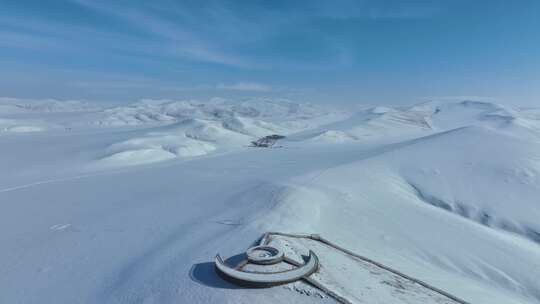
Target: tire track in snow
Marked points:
44	182
105	173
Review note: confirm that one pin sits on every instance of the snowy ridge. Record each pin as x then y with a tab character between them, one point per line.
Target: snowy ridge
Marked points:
431	116
278	111
37	115
18	105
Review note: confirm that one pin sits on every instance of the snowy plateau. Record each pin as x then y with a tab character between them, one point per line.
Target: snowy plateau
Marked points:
130	203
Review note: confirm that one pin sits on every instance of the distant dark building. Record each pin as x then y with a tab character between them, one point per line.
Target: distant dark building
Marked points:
267	141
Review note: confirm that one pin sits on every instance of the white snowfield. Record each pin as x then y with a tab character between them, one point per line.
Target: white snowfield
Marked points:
130	204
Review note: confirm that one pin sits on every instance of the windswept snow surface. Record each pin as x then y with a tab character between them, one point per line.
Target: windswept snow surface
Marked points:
130	204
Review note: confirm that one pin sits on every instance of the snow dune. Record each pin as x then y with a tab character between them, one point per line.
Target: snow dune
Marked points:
130	204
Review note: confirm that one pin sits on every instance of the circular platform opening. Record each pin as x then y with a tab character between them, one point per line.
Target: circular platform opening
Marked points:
264	255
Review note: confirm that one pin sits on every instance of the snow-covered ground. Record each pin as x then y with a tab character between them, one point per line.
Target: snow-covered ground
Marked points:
129	204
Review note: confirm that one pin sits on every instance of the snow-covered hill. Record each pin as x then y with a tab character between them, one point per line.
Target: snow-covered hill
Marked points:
189	128
130	204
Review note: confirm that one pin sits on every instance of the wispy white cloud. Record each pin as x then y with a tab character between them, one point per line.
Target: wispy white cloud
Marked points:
245	86
176	40
138	84
27	41
462	98
403	12
217	32
157	85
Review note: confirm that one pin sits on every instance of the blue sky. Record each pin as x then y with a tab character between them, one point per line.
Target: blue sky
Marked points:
323	51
